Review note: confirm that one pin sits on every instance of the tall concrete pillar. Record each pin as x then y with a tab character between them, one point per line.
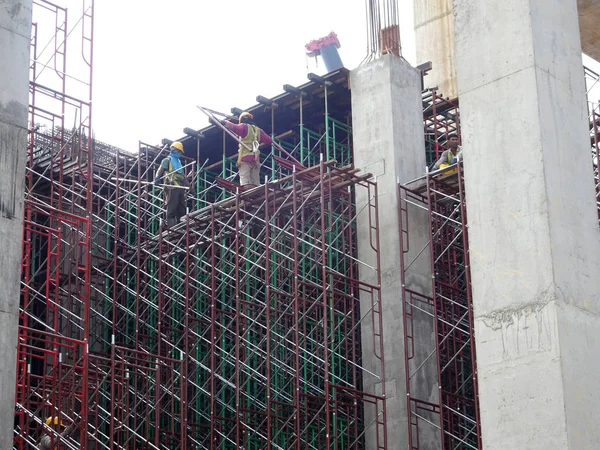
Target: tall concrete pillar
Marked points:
434	39
387	121
15	32
533	230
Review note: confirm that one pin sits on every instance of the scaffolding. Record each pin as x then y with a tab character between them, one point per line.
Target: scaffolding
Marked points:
240	327
593	86
447	302
247	313
440	118
52	359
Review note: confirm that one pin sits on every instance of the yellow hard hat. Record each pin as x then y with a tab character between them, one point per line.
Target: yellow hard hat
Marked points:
54	420
245	114
178	145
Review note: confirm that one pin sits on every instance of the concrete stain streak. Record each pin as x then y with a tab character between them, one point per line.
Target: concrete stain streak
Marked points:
507	316
11	176
15	10
433	19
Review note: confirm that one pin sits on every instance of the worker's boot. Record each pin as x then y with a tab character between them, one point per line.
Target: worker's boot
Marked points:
172	221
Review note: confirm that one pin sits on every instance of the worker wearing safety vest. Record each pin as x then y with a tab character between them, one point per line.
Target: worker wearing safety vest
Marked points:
450	156
49	440
252	137
171	176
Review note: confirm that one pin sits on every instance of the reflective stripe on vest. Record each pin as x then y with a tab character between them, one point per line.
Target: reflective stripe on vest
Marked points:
252	136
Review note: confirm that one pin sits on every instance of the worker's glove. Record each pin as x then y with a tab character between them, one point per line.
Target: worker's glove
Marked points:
157	181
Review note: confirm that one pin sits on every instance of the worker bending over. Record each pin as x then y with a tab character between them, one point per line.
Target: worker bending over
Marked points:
450	156
49	441
174	184
252	137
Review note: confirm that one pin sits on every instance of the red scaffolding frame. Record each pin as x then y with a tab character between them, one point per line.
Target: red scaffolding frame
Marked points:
592	80
441	196
239	328
276	365
54	315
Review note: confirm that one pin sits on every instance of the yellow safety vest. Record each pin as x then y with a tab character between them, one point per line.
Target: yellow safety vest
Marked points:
251	140
174	178
451	156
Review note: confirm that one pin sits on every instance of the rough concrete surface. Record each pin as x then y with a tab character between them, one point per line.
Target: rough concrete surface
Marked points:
15	30
533	233
388	142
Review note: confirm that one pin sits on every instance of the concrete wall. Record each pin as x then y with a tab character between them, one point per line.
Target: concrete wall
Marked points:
434	33
15	32
388	143
434	30
533	231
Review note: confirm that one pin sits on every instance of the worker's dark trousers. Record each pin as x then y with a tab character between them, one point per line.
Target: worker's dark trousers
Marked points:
175	206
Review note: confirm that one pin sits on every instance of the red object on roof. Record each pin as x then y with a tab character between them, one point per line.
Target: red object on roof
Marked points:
313	48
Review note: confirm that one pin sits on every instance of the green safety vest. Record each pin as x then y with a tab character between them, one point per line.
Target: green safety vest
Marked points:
252	139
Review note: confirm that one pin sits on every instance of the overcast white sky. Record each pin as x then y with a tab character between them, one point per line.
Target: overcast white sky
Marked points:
155	60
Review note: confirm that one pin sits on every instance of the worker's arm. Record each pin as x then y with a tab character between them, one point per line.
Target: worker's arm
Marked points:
443	159
240	129
69	430
164	166
47	440
265	139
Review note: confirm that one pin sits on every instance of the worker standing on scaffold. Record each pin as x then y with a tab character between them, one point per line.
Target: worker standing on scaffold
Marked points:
252	137
450	156
175	196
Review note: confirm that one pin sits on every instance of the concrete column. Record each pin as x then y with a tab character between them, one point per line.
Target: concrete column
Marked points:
387	120
434	34
15	32
533	230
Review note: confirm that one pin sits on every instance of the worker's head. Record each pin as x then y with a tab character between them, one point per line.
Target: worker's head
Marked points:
54	422
246	117
176	149
452	141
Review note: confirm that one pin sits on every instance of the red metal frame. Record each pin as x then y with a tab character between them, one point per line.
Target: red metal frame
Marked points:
450	309
440	118
278	219
54	314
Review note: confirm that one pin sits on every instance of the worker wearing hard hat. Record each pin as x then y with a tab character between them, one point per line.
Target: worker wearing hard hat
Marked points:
252	137
450	156
171	176
49	440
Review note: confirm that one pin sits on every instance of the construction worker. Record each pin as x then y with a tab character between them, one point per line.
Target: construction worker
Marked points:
171	169
49	440
450	156
252	137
